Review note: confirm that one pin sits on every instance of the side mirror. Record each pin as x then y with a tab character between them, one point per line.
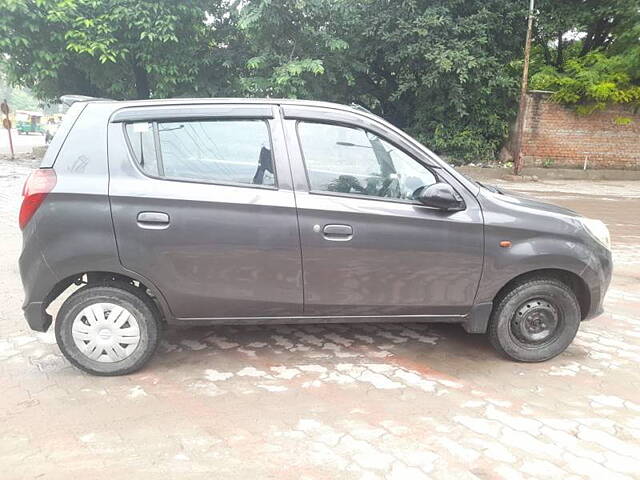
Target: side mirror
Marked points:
441	196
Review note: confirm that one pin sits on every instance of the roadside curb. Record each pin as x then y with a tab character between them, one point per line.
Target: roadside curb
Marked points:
533	174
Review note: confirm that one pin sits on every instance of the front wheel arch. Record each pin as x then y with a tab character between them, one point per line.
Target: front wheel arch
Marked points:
570	279
478	319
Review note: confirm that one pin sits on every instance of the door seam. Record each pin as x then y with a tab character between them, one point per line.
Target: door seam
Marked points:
295	202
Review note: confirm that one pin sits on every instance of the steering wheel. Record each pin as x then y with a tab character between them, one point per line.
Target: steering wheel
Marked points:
387	189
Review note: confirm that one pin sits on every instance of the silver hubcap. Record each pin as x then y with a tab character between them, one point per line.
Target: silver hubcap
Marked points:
106	332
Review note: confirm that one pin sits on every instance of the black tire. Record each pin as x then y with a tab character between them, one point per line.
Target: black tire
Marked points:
535	321
123	295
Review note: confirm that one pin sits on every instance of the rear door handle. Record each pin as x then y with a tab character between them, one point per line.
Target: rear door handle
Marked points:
153	220
338	232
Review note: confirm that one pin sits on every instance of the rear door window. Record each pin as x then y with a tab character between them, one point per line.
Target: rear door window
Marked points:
142	143
213	151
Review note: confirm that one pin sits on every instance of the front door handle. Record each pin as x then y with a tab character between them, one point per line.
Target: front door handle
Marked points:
338	232
153	220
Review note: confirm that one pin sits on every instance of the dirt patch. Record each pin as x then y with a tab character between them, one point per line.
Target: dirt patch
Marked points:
27	159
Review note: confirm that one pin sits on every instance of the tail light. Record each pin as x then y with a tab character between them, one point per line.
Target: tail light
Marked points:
35	190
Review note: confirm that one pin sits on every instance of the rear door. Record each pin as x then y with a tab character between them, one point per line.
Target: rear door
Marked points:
368	248
203	207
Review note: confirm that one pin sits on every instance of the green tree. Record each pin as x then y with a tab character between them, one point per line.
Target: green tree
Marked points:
588	52
444	69
116	48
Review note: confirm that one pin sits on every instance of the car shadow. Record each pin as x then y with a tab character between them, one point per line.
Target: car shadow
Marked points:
443	347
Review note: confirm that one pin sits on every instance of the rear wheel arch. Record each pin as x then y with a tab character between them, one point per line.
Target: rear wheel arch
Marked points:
107	278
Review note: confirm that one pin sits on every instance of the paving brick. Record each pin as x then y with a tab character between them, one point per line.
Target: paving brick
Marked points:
333	401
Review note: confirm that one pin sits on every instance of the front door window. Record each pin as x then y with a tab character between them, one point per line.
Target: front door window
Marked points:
355	161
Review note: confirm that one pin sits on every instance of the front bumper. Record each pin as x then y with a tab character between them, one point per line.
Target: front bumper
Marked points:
598	278
594	313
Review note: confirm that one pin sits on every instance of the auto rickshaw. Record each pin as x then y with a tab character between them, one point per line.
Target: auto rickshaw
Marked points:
29	122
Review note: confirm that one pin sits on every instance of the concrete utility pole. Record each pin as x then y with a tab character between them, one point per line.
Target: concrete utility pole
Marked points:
518	164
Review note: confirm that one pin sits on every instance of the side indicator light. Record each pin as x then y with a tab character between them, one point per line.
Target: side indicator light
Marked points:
505	244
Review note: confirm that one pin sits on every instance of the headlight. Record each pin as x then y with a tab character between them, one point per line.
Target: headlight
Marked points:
598	229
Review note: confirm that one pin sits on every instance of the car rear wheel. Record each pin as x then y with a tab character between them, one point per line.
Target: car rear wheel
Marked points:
535	320
107	330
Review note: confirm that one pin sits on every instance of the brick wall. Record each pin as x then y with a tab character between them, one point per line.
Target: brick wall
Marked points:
556	136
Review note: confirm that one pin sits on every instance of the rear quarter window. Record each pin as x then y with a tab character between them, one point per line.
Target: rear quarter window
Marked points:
84	151
68	121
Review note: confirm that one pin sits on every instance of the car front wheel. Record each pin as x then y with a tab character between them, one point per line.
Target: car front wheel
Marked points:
107	330
535	321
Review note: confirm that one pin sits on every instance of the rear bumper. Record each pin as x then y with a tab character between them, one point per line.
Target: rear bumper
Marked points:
37	317
38	281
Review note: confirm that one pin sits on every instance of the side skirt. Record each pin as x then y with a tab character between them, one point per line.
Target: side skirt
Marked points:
320	320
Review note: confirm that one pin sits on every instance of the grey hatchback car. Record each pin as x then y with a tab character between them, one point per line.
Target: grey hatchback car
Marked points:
267	211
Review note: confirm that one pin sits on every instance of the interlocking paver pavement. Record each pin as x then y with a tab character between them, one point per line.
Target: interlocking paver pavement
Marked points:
366	401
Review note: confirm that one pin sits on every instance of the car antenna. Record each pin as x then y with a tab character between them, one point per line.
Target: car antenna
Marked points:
356	106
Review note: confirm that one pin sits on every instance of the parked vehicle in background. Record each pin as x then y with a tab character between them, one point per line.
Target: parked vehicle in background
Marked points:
221	211
29	122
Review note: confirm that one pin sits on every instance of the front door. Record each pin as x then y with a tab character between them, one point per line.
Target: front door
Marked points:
368	248
203	208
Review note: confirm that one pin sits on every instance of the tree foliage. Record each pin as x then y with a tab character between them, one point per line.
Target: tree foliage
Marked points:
589	52
120	48
446	70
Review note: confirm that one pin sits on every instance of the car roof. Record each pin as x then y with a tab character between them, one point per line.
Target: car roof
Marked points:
361	111
225	100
